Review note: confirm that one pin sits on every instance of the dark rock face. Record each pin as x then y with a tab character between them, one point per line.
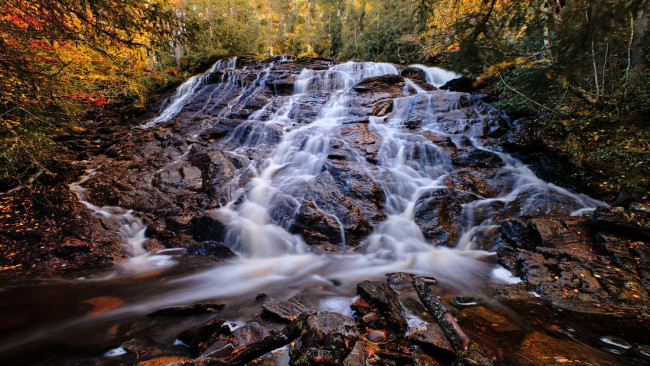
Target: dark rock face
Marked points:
184	311
201	336
439	214
247	334
633	221
45	227
431	336
462	84
416	75
564	262
384	298
328	340
476	159
317	227
286	310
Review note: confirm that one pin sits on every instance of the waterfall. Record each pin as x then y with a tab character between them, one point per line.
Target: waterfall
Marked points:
188	89
437	76
285	148
130	227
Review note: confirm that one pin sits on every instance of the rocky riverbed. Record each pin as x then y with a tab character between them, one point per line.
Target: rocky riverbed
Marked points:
303	183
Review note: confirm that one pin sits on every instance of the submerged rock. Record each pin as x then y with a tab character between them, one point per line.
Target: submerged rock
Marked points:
184	311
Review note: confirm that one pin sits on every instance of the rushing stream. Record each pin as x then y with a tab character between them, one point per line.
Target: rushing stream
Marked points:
283	155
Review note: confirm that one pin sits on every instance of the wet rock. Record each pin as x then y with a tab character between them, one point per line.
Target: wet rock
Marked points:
356	357
523	134
439	214
384	298
316	227
466	301
568	233
206	228
284	209
361	306
644	349
475	158
421	358
377	336
520	234
392	85
247	334
475	181
162	361
213	133
401	280
632	222
370	318
621	251
541	349
576	280
349	194
142	349
221	347
210	249
359	137
382	108
185	311
417	75
486	319
44	226
464	84
616	342
452	331
200	337
287	310
253	134
329	339
433	338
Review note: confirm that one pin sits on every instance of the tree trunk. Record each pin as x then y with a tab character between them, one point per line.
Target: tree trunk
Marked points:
641	24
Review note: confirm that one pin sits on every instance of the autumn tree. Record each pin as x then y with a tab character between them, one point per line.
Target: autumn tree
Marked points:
59	56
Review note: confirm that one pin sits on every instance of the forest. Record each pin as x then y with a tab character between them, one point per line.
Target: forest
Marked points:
579	67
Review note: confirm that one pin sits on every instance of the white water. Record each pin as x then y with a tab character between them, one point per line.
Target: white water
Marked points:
130	227
437	76
188	89
409	165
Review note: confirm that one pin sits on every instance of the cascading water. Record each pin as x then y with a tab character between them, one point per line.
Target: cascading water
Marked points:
130	227
289	150
408	166
188	89
437	76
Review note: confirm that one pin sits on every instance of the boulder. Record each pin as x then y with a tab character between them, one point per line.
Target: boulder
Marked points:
439	214
384	298
328	340
633	221
200	337
475	158
286	310
464	84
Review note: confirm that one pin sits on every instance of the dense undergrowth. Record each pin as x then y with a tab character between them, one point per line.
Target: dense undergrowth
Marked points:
607	139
